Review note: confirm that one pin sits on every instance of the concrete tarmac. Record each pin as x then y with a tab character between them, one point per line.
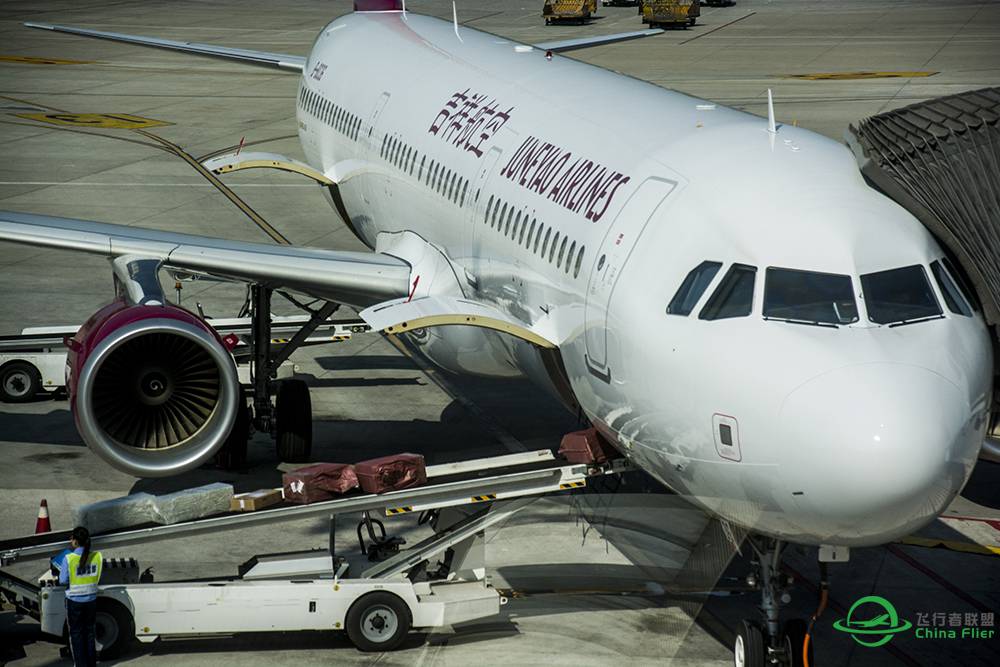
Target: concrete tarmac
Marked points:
622	573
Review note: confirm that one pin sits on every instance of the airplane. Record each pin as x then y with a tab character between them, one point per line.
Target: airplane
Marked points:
785	347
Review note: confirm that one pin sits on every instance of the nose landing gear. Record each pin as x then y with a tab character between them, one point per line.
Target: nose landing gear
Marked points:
769	641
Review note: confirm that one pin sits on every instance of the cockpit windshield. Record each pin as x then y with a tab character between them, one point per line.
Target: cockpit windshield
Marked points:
807	297
899	296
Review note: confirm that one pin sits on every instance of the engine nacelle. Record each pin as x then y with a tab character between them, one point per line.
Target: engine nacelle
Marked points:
153	389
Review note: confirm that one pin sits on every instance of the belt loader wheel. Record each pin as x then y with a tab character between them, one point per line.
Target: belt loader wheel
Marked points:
293	421
114	629
19	382
378	621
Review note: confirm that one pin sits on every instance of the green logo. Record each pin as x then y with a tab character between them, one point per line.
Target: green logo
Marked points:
878	629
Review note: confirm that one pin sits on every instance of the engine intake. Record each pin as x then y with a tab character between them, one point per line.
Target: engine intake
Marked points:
154	391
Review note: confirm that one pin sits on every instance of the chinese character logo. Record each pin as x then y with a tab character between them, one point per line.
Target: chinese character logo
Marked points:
878	628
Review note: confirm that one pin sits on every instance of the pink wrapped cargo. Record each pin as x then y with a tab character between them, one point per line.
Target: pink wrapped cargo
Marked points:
586	447
320	481
391	473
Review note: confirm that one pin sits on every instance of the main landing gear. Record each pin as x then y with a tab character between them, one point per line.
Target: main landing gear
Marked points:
288	418
769	641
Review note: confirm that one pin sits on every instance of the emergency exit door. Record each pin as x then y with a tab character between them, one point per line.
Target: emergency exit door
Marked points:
610	259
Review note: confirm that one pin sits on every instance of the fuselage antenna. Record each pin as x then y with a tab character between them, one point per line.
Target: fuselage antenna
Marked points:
454	14
770	114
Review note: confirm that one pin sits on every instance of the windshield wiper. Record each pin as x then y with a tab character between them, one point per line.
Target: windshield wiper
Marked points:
813	323
916	320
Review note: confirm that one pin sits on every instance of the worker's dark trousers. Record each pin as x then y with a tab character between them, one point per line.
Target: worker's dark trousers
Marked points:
82	617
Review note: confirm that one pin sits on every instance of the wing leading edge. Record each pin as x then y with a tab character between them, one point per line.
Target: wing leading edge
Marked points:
354	278
262	58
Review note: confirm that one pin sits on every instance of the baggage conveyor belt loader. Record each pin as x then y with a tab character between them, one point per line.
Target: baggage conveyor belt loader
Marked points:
376	596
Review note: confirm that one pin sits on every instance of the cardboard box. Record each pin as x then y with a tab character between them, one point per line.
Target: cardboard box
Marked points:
391	473
255	500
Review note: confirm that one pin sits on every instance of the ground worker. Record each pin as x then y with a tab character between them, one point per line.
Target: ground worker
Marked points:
81	571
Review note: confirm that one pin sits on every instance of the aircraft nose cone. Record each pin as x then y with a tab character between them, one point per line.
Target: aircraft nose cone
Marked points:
878	449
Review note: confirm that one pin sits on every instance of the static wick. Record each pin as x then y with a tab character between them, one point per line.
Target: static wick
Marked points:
454	14
771	127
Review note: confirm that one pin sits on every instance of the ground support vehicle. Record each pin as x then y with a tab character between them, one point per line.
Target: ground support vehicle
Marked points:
561	11
376	596
672	13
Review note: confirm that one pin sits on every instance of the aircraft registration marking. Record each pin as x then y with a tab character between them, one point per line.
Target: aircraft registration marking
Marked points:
848	76
34	60
119	121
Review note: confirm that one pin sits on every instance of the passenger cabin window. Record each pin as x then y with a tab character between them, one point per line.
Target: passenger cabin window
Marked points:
734	295
808	297
949	290
899	296
694	285
579	262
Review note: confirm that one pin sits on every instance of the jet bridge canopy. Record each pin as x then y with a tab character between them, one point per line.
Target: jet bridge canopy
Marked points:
940	159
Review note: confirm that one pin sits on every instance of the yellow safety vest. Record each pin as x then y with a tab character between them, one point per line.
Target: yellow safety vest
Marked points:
83	580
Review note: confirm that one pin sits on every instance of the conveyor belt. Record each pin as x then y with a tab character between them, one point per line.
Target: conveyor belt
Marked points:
940	159
532	476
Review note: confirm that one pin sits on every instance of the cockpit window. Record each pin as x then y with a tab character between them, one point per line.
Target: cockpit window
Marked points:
694	285
899	296
734	295
808	297
949	290
963	285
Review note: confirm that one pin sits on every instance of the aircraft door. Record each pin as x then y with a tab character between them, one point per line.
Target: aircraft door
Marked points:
610	260
371	137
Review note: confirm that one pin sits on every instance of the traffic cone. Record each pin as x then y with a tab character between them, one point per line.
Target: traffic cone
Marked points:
42	525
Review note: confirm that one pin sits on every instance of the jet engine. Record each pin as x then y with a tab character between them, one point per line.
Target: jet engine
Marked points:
152	387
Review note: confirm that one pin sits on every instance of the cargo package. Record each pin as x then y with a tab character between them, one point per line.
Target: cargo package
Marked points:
391	473
586	447
255	500
319	481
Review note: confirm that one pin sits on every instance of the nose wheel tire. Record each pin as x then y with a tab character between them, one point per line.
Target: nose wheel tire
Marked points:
293	421
378	622
114	629
19	382
749	649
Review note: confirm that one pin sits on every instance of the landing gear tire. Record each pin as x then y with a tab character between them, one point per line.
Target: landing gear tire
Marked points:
233	453
749	649
114	629
19	382
293	421
378	622
793	639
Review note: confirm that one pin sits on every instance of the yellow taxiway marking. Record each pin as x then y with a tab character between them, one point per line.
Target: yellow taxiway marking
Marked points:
33	60
122	121
848	76
952	545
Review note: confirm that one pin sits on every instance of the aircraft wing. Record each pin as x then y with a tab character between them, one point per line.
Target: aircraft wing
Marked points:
587	42
263	58
354	278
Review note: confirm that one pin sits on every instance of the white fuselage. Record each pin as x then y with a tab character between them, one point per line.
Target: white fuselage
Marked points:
488	152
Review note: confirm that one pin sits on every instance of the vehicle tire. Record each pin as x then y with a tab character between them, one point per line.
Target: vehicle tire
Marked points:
378	621
793	638
293	421
19	382
115	630
692	20
233	453
748	649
